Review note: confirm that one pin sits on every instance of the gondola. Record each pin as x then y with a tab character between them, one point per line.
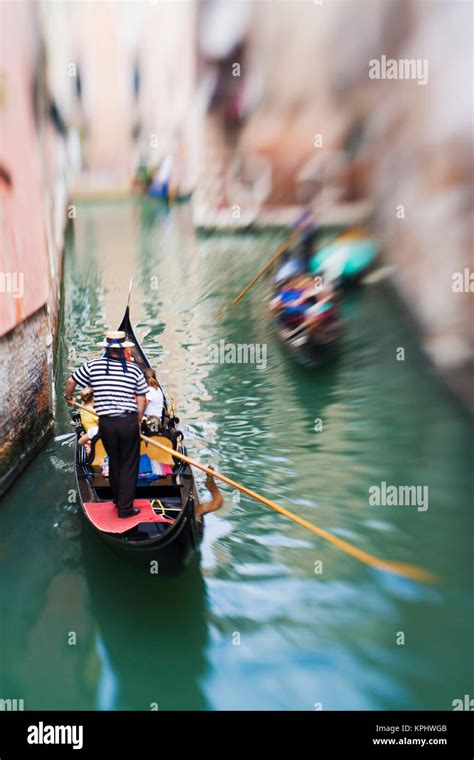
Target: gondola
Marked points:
166	534
307	347
314	344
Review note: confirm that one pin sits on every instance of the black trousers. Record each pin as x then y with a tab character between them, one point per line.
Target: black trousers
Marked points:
121	439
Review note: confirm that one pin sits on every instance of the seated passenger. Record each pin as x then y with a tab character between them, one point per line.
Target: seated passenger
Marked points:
321	314
289	293
294	298
88	420
155	399
290	267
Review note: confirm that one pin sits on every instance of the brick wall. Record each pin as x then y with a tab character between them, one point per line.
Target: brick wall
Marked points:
25	394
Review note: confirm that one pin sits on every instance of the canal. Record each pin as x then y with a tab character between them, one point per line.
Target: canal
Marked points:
272	617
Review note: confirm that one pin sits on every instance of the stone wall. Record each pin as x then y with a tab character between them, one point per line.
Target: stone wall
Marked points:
26	398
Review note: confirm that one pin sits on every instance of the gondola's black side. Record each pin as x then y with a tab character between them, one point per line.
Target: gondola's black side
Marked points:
173	548
306	351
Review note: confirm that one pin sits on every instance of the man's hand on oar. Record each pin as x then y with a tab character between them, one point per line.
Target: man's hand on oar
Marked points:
408	571
217	500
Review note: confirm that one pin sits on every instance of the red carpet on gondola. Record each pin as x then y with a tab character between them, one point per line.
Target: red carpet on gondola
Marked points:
104	516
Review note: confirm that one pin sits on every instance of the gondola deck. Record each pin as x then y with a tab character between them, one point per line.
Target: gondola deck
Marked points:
103	515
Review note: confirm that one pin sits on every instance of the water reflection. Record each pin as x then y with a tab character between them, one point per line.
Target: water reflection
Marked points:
152	633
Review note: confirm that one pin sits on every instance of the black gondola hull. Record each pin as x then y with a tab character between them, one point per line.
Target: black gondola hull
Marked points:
309	352
163	557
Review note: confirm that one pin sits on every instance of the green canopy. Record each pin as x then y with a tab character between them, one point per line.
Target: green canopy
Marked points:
345	259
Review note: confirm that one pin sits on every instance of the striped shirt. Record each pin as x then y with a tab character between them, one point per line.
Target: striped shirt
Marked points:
113	393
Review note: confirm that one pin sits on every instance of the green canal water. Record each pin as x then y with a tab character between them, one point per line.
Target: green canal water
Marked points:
253	624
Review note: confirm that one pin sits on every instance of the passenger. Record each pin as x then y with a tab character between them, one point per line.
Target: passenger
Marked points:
155	399
320	312
89	421
289	293
290	267
293	299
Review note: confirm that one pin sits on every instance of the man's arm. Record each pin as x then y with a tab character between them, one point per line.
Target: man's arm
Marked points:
69	391
141	404
82	377
216	501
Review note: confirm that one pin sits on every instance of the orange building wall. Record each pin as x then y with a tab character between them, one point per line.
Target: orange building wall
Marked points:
23	250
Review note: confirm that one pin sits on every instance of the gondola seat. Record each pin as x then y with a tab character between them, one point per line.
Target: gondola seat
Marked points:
97	455
98	452
157	454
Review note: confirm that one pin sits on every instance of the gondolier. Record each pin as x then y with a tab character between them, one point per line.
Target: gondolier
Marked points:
120	390
169	529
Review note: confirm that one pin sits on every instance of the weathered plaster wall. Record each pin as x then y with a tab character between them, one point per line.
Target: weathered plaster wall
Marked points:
33	197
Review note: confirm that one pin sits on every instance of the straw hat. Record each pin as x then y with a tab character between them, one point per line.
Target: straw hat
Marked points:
115	339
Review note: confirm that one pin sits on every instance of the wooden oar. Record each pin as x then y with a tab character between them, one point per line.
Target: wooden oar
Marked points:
294	235
409	571
267	266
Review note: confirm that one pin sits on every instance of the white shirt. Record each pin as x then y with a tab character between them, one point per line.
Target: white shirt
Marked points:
154	407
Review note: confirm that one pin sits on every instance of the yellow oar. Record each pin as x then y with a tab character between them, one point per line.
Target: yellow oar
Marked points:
267	266
409	571
294	235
